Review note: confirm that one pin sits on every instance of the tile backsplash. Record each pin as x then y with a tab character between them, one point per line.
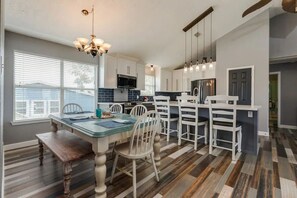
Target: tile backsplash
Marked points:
105	95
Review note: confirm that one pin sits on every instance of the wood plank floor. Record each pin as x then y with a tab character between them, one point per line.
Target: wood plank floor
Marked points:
184	172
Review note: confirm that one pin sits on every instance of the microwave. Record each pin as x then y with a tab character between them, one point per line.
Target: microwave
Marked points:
128	82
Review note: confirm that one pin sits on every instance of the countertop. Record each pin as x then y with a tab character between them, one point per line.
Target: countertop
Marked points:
238	107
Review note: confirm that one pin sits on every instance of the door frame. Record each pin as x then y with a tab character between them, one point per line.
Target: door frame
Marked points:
278	73
252	80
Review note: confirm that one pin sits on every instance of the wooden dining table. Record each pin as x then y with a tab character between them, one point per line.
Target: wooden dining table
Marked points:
92	130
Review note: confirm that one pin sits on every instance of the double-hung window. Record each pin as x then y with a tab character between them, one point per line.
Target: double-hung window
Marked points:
43	85
149	86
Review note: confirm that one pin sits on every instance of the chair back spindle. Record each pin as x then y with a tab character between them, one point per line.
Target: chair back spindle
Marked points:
116	108
72	108
138	110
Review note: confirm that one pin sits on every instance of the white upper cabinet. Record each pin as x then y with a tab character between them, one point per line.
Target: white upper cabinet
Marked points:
177	80
163	79
126	67
140	76
187	78
108	72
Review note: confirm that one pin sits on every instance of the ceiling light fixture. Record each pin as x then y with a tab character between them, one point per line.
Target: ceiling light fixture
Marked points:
96	45
186	65
204	59
191	63
210	59
152	67
197	62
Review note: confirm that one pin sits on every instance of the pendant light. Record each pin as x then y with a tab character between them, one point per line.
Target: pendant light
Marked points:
191	63
197	62
203	59
210	59
185	66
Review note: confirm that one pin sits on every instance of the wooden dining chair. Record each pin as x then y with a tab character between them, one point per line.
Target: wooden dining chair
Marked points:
138	110
72	108
189	117
140	145
116	108
222	116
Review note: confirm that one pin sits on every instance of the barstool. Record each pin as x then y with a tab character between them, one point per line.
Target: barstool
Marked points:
162	106
189	116
222	116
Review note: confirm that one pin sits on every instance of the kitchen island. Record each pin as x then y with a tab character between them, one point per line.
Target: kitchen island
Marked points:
247	116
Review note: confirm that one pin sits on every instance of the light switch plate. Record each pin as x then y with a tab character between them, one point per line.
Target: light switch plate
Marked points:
250	114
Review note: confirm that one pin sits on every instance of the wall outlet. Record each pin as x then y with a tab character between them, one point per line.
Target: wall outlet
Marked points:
250	114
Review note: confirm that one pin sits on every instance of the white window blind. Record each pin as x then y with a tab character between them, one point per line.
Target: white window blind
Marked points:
38	86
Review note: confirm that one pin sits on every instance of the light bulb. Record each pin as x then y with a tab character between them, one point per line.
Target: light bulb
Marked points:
210	63
152	68
185	67
191	66
197	68
203	65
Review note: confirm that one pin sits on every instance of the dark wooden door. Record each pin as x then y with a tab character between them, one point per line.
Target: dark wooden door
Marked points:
240	84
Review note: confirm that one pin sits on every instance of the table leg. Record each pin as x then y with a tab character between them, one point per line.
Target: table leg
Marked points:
54	127
157	147
100	147
40	152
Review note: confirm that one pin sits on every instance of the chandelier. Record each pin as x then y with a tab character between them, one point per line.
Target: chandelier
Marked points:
96	45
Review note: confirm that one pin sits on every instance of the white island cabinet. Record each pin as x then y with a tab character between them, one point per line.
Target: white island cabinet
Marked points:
108	72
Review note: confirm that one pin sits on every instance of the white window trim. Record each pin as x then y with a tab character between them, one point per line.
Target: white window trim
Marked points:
49	105
15	122
252	79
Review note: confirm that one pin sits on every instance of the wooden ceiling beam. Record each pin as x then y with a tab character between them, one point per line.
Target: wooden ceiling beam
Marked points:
198	19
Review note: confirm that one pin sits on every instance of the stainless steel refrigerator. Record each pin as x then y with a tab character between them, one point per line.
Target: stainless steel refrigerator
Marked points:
203	88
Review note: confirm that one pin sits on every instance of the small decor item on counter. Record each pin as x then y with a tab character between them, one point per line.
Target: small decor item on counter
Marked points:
145	98
98	113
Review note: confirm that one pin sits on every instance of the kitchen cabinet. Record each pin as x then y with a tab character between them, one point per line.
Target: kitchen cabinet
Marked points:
177	80
108	72
163	79
186	81
140	76
126	67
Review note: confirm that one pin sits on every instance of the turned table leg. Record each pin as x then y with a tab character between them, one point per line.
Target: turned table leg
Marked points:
100	147
40	152
54	126
157	147
67	178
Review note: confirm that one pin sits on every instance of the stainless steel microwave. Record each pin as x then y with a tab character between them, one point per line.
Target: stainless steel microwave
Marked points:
127	82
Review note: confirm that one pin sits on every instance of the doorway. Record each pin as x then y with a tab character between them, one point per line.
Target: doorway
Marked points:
274	99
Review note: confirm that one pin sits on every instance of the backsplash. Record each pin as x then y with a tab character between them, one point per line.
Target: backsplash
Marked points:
133	95
105	95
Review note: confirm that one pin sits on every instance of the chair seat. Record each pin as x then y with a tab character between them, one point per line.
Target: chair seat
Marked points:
238	124
200	119
226	126
174	115
123	149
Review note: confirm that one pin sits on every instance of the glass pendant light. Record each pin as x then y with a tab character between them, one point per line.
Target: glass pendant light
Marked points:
186	65
197	62
203	59
191	63
210	59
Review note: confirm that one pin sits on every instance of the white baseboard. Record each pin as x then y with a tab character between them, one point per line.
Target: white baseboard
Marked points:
287	126
20	145
263	133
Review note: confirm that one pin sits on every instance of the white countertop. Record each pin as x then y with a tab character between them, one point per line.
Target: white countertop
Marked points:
238	107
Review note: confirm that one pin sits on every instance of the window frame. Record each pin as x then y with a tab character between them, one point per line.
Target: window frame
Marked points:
61	88
49	106
154	86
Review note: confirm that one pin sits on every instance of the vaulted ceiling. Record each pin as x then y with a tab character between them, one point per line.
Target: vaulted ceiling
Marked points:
150	30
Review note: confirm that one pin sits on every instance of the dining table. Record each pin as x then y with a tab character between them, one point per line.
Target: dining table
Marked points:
100	133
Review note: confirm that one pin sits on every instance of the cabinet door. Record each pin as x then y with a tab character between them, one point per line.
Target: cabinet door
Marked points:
177	78
166	80
187	81
140	77
110	77
122	68
131	67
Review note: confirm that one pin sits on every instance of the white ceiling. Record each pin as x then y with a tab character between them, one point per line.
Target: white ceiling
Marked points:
150	30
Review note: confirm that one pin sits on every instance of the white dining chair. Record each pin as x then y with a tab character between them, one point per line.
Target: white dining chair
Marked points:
189	117
138	110
222	116
140	145
162	106
72	108
116	108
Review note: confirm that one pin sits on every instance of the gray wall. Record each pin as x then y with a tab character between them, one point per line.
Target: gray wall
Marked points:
288	92
245	46
14	41
283	36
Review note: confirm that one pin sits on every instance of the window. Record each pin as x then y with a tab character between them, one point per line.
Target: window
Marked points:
39	90
149	86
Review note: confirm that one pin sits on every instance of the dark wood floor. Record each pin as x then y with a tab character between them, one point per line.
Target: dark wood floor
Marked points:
184	173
